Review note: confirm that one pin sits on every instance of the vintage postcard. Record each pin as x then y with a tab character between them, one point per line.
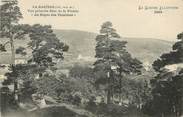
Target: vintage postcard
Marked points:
91	58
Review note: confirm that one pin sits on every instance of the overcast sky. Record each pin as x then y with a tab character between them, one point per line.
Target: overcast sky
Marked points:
124	14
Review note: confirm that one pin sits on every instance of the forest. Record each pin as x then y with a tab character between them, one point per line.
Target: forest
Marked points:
113	84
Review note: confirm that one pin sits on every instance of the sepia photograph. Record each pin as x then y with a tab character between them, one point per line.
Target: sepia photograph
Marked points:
91	58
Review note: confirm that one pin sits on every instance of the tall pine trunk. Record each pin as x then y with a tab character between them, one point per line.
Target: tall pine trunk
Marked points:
13	64
108	88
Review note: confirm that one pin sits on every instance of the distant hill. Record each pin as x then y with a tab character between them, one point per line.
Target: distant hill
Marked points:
82	46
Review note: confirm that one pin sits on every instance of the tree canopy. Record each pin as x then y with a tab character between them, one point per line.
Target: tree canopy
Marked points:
113	60
167	85
173	57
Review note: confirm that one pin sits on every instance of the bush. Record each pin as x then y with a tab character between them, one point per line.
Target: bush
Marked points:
76	100
91	105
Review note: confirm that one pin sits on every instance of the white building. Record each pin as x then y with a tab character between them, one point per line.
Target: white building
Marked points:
20	60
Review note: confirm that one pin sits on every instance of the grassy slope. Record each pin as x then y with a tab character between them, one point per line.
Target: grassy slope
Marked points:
80	42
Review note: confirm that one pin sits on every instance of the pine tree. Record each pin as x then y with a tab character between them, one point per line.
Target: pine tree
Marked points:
11	30
112	59
46	47
168	86
173	57
47	50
